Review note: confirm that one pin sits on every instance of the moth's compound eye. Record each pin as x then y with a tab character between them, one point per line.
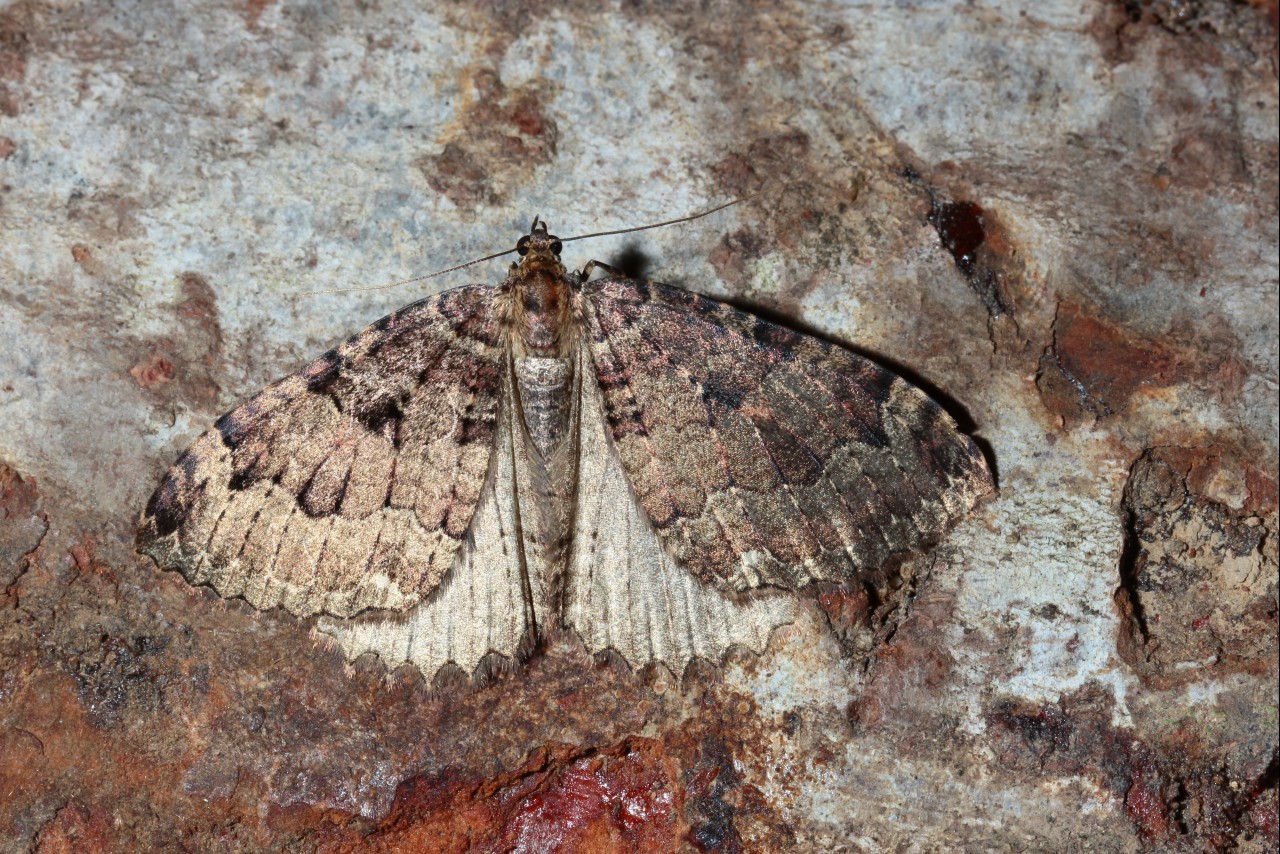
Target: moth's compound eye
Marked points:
555	248
522	245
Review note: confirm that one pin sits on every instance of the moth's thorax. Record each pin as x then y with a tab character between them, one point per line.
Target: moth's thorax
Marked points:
540	294
541	302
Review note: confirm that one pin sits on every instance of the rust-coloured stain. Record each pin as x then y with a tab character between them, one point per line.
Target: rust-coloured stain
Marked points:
252	11
767	163
185	365
1094	368
911	665
23	525
848	608
1145	804
76	830
501	136
15	47
85	559
1175	789
153	370
736	251
625	798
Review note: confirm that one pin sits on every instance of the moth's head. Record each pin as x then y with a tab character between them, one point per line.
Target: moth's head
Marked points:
538	248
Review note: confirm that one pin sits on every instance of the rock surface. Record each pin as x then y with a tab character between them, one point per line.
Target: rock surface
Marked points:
1060	218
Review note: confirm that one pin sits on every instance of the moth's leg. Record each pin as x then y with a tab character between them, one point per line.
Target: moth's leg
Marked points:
592	265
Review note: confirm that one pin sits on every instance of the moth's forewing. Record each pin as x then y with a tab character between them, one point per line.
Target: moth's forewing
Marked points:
351	484
764	457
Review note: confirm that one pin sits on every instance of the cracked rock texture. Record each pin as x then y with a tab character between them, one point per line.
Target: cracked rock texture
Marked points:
1059	218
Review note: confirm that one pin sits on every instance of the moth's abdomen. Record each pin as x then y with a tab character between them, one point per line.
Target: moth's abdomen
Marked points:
545	387
545	419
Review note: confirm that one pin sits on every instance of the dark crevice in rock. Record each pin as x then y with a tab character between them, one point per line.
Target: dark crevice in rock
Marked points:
711	815
962	228
1130	553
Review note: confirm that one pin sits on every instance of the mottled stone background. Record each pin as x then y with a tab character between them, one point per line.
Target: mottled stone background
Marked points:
1059	217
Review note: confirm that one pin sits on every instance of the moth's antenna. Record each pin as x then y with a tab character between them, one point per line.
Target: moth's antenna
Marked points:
414	279
688	218
536	220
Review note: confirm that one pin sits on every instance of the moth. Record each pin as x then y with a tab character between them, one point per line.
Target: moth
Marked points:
651	469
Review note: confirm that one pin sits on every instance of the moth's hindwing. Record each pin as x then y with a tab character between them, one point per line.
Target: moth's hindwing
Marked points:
480	608
625	593
350	484
766	457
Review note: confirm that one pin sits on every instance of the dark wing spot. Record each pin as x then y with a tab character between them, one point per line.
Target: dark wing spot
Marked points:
324	372
385	322
166	508
476	428
625	421
772	335
870	432
382	415
242	478
721	389
794	461
316	500
879	383
480	376
236	425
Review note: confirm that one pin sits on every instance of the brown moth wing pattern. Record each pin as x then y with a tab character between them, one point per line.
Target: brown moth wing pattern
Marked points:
624	591
763	456
351	484
481	607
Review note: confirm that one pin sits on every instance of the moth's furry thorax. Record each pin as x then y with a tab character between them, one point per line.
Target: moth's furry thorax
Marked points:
539	292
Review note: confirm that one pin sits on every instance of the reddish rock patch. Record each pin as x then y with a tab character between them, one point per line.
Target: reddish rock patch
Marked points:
152	371
803	212
23	524
1094	368
736	251
500	137
906	672
76	830
183	366
791	201
848	608
85	559
625	798
1177	791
